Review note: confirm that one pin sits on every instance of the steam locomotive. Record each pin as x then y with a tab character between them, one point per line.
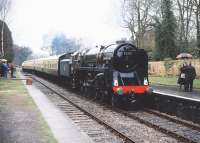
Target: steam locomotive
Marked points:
117	72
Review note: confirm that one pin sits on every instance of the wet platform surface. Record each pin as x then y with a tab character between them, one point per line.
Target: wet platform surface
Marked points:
174	91
63	128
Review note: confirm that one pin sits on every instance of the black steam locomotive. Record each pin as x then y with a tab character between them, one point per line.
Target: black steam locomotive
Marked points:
118	72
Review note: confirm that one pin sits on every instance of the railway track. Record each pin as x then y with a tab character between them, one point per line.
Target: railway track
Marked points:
176	128
96	128
174	119
180	130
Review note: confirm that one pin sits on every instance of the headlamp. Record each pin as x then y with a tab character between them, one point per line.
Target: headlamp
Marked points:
145	81
116	82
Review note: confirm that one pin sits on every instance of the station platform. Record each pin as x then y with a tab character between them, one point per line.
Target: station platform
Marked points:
63	128
174	91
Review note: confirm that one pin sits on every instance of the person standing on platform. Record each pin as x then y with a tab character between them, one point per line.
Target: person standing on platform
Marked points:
4	69
181	79
1	71
11	70
191	76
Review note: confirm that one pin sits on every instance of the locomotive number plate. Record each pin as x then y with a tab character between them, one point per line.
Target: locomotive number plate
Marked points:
127	53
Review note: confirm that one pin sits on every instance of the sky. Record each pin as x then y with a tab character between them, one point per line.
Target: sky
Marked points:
33	22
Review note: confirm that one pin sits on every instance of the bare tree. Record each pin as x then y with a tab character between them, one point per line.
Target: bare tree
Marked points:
185	8
138	16
196	8
4	8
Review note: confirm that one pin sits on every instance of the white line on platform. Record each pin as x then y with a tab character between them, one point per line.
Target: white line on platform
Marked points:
177	96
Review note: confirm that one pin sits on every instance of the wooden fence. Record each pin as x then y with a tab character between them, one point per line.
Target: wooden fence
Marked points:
171	67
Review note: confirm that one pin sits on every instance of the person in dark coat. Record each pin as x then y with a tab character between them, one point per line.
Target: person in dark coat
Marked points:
4	69
182	76
186	87
191	76
11	70
1	71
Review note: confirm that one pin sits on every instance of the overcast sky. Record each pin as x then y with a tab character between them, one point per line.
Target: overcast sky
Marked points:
94	21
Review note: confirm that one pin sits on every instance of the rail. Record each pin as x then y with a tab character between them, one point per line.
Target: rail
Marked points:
121	135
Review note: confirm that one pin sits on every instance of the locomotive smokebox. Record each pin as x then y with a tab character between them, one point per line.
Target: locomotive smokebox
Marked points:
125	57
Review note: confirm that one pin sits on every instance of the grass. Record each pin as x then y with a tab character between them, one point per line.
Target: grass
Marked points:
155	80
15	89
12	85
